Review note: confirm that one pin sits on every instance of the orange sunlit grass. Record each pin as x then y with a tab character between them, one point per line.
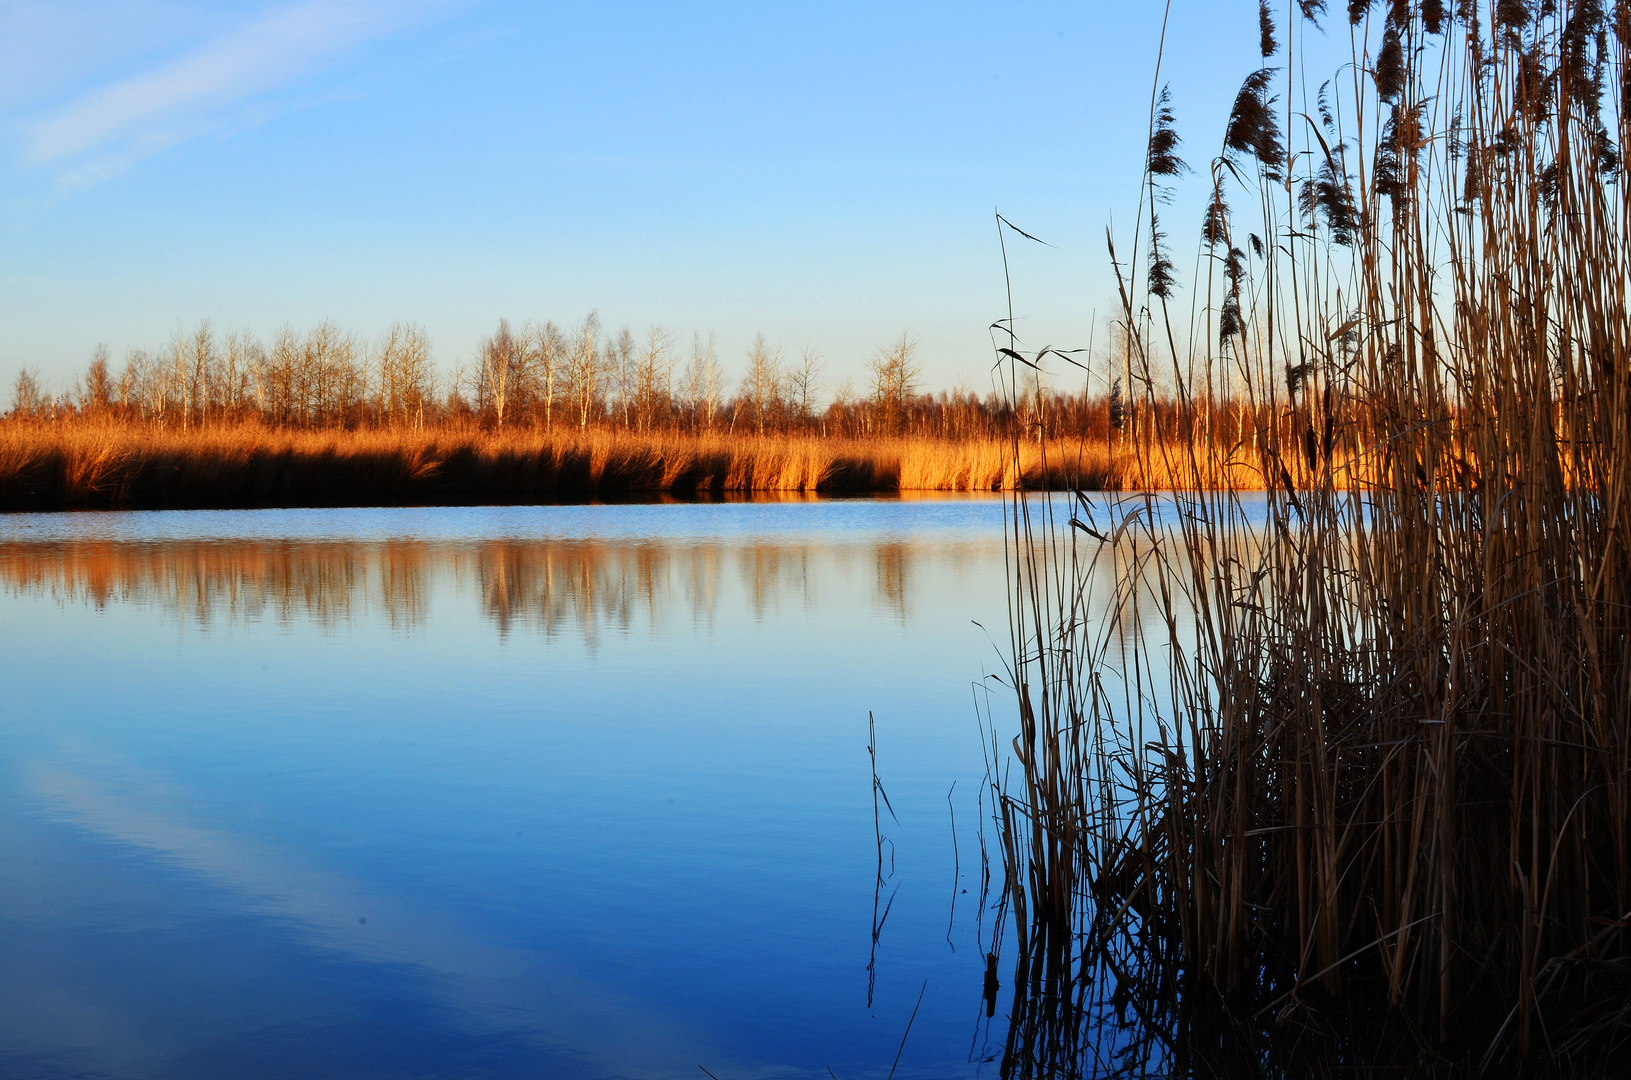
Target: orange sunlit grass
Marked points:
87	463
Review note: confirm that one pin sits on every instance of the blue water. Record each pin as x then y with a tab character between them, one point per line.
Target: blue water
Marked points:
563	792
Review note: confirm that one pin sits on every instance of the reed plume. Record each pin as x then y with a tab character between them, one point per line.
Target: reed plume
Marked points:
1337	777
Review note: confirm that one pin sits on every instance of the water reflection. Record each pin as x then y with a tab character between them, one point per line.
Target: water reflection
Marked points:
596	779
207	583
499	992
549	587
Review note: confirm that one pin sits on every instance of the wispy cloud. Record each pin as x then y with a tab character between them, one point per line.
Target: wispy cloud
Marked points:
107	128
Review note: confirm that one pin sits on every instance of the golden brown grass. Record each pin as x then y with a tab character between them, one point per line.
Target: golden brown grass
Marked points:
85	463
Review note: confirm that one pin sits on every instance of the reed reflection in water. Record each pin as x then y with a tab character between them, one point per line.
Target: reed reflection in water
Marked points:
596	778
550	587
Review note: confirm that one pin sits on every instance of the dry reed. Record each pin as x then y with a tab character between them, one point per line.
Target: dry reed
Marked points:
1353	795
86	463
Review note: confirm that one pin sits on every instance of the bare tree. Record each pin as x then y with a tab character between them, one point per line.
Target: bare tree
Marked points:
351	363
143	385
762	383
200	377
585	370
455	406
386	360
98	397
843	407
653	372
403	376
416	374
962	403
803	382
620	361
278	379
311	380
895	372
176	366
502	373
703	381
335	380
26	399
547	355
130	386
239	358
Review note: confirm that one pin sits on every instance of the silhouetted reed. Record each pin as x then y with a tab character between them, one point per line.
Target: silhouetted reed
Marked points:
1355	794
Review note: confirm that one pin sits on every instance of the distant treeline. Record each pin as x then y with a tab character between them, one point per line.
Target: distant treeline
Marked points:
544	376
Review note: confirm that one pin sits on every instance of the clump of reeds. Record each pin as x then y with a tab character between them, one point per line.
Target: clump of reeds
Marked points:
1337	777
89	464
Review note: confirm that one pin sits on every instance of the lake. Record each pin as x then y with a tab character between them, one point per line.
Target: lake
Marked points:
524	791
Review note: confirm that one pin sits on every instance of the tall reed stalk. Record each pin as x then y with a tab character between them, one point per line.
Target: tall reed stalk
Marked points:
1336	777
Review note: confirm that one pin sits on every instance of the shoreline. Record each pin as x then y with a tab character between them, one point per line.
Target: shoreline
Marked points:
85	466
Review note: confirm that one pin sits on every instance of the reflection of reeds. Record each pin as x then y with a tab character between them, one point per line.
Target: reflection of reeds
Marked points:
549	587
211	583
584	586
90	463
1357	797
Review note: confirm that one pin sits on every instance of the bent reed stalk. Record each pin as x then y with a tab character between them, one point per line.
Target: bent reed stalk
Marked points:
1336	778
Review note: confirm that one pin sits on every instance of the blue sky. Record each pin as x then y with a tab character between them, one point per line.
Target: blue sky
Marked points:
822	173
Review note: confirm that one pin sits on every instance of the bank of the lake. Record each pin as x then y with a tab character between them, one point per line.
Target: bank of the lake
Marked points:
82	464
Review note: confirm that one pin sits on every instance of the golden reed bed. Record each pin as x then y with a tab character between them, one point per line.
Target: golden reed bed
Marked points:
45	465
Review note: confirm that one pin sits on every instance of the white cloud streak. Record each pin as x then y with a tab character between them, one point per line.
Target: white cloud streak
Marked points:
180	98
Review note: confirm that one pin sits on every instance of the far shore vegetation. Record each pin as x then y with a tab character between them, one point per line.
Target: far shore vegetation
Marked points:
551	415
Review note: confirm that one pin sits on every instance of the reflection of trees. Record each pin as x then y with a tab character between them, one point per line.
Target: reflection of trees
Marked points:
773	572
402	584
209	583
892	560
575	585
582	587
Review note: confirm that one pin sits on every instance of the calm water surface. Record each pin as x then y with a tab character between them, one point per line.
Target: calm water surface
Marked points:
564	792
